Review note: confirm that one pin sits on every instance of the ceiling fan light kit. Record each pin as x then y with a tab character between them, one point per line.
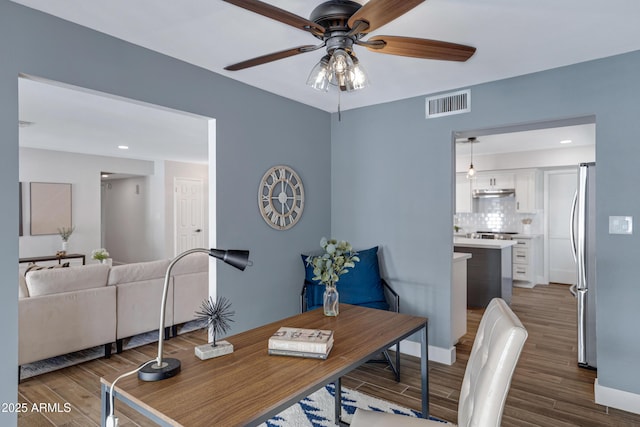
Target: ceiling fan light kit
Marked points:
341	24
340	69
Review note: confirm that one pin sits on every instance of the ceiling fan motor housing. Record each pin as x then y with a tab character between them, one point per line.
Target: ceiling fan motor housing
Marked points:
333	15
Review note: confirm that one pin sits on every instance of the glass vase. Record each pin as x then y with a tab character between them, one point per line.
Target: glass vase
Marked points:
331	301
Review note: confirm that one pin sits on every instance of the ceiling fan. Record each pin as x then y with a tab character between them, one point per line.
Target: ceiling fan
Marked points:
341	24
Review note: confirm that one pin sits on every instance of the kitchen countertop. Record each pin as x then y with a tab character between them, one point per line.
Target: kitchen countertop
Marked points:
460	256
483	243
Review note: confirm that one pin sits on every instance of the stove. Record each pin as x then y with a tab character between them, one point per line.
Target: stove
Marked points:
496	235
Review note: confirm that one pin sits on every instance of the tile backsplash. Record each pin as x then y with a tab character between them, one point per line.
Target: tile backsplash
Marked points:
497	214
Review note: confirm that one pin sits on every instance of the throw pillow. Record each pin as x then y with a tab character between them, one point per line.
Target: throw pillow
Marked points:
23	291
362	285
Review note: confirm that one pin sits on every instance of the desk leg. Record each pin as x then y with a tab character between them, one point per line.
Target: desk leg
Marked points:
104	406
337	388
424	370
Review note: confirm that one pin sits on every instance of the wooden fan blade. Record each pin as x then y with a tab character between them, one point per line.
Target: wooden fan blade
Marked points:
278	14
379	12
421	48
270	58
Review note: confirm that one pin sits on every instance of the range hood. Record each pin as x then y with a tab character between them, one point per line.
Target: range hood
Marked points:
493	192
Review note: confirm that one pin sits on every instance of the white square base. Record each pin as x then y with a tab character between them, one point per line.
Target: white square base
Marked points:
207	351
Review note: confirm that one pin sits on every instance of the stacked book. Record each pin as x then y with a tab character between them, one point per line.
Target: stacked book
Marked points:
314	343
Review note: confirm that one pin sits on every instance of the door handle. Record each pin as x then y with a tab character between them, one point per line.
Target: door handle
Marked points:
198	230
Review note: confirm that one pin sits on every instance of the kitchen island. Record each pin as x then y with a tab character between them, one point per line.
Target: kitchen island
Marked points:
489	270
459	296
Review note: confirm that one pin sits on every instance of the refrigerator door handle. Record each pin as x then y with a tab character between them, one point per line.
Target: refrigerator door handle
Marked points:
572	227
581	242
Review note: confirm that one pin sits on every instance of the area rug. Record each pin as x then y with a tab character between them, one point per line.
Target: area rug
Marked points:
318	409
29	370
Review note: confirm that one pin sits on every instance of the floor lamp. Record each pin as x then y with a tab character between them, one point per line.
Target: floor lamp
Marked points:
167	368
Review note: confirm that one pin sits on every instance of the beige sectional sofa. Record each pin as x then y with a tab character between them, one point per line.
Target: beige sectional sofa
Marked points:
62	310
139	296
190	287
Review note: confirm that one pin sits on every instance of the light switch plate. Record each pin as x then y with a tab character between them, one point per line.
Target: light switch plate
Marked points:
620	225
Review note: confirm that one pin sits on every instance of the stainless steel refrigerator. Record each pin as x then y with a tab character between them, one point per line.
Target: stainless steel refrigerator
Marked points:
583	239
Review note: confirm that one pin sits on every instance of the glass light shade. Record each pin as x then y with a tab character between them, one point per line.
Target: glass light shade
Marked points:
319	76
360	77
471	173
340	69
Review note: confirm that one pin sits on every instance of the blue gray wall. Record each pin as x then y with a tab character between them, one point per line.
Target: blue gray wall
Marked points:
387	178
392	185
255	130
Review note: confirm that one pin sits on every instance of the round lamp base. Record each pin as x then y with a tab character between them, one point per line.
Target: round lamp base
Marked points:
153	372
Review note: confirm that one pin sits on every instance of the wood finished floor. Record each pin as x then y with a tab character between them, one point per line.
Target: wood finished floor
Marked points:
548	389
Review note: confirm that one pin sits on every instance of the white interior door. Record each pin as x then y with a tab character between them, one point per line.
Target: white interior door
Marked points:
562	186
189	214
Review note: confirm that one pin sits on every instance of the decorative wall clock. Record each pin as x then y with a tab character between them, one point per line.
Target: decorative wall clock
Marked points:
281	197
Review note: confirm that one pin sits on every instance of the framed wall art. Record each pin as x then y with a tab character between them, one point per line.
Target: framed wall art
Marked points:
50	207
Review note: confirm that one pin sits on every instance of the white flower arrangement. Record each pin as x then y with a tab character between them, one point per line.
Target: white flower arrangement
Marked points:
99	254
337	258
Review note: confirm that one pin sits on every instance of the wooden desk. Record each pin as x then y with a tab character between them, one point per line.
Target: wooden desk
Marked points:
248	387
52	258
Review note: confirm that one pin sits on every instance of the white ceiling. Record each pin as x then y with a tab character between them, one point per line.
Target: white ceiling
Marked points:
70	119
531	140
512	38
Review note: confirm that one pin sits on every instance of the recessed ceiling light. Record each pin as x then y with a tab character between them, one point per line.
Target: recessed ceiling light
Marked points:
105	175
566	141
123	147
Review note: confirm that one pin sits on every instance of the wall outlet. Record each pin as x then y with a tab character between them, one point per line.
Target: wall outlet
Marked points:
620	225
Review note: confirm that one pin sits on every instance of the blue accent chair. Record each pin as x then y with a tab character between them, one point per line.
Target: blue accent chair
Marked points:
362	286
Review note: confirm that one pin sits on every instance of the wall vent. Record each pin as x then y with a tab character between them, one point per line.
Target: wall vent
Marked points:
448	104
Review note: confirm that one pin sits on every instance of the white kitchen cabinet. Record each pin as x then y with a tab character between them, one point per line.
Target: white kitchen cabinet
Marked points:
525	261
526	185
463	193
493	180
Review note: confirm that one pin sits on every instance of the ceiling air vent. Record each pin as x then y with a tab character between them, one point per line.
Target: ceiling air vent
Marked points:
449	103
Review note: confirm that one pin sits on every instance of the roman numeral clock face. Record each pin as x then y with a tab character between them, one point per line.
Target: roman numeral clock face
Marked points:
281	197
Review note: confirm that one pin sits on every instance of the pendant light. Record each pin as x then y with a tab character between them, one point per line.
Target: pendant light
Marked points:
471	173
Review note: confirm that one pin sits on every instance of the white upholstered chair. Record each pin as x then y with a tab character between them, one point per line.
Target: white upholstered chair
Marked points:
487	377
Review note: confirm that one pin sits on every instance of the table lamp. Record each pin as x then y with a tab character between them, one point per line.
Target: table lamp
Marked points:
167	368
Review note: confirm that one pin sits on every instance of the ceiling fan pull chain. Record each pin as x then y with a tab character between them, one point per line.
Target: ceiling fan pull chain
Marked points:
339	112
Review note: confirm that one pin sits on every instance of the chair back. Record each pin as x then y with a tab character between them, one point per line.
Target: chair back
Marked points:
493	359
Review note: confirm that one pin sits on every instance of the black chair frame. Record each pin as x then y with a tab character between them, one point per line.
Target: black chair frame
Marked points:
393	299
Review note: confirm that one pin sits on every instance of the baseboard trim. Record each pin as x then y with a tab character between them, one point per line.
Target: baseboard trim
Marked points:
615	398
436	354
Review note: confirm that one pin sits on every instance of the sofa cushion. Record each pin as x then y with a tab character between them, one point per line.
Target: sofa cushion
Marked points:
34	267
362	285
57	280
138	271
192	263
